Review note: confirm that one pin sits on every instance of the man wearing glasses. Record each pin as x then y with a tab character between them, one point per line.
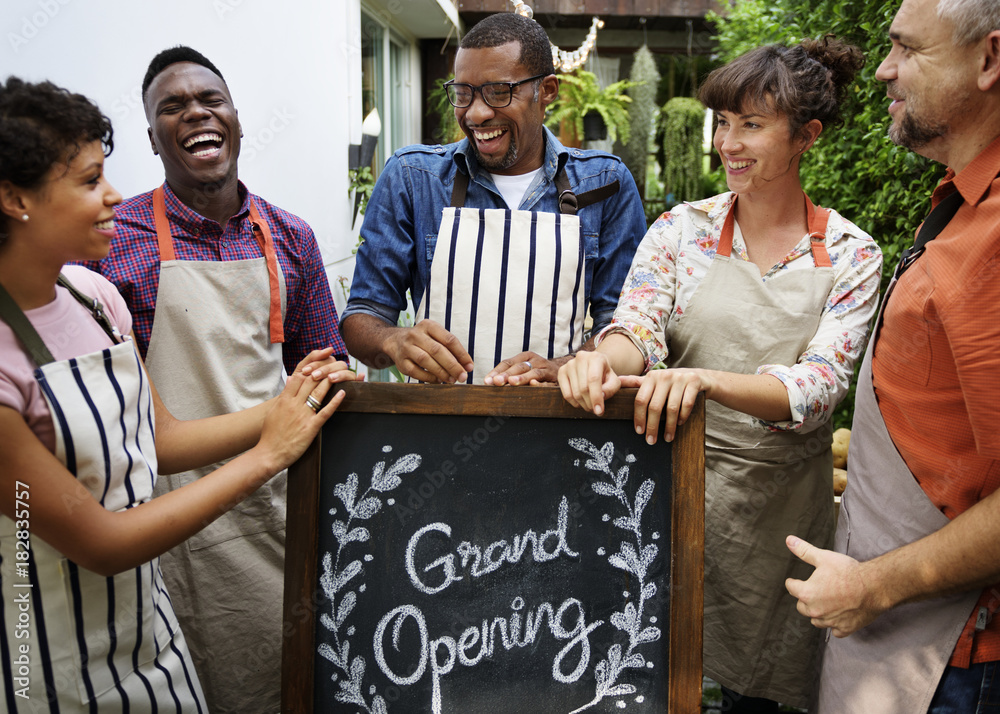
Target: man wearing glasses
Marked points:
505	239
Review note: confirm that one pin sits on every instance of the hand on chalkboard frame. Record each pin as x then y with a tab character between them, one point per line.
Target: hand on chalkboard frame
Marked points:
587	380
427	352
669	394
319	364
523	368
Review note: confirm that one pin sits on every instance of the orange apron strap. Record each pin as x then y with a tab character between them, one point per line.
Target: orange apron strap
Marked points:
263	234
162	225
818	217
725	247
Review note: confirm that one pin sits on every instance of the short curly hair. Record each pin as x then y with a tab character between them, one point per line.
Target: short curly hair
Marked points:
173	55
504	27
41	125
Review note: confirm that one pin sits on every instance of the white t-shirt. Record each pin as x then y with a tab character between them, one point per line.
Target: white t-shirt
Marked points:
513	188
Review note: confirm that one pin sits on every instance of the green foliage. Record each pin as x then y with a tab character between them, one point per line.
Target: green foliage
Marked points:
642	114
361	182
580	94
447	131
682	122
854	168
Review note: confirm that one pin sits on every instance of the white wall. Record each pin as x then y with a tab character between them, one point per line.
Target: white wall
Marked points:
293	69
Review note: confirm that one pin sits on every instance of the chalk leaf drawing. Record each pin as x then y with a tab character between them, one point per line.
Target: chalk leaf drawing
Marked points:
634	558
339	572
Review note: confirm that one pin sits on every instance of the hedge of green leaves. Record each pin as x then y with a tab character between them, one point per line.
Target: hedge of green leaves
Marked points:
853	168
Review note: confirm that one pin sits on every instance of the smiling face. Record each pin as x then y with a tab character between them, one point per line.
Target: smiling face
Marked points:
194	127
507	141
71	215
758	150
930	81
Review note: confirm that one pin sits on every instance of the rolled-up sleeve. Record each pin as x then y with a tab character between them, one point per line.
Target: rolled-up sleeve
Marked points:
820	378
648	292
622	227
385	264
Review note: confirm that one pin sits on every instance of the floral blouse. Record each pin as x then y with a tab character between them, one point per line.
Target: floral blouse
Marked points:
677	252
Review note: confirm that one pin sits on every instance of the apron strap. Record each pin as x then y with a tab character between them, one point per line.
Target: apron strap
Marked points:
817	218
261	231
459	189
163	236
932	225
263	234
569	202
26	332
935	222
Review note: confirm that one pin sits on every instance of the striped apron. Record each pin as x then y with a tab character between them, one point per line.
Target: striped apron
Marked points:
505	281
73	640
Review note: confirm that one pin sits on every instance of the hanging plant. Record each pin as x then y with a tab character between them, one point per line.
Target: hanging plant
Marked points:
642	114
682	121
580	94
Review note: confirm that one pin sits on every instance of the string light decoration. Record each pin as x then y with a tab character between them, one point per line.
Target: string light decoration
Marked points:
566	61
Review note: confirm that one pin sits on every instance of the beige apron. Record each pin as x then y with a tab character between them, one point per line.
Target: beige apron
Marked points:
759	486
215	349
893	665
505	281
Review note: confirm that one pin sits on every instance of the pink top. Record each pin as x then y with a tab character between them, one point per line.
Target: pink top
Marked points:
69	330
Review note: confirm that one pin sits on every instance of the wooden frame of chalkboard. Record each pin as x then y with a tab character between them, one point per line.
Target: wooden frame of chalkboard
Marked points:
303	597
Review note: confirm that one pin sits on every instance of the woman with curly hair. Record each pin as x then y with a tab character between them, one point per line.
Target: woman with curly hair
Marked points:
762	301
86	624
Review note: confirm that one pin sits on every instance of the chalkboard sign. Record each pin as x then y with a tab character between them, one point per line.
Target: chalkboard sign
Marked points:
493	550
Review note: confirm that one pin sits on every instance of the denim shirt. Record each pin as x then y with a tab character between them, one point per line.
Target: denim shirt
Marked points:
404	215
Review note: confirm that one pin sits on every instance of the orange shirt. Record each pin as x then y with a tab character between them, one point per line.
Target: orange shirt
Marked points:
936	367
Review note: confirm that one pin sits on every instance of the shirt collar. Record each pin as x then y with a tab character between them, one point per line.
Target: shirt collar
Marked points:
975	179
181	214
556	156
715	207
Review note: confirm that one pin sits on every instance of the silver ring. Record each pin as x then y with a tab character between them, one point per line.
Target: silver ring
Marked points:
528	363
313	403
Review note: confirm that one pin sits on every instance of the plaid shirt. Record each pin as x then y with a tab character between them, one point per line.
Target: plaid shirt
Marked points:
133	265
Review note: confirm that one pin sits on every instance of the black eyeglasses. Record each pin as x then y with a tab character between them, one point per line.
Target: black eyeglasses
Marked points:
496	94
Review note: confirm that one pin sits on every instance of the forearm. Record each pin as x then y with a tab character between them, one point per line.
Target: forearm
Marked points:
962	556
137	535
185	445
759	395
623	356
365	336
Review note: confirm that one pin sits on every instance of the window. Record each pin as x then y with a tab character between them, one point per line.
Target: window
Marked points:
387	84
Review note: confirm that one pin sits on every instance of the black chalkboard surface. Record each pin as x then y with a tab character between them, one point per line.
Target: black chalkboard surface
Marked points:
475	549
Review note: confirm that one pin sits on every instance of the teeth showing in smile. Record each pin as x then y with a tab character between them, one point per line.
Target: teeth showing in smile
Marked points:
487	135
105	225
739	164
214	140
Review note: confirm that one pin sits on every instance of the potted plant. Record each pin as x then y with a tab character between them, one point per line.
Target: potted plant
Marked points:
580	95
